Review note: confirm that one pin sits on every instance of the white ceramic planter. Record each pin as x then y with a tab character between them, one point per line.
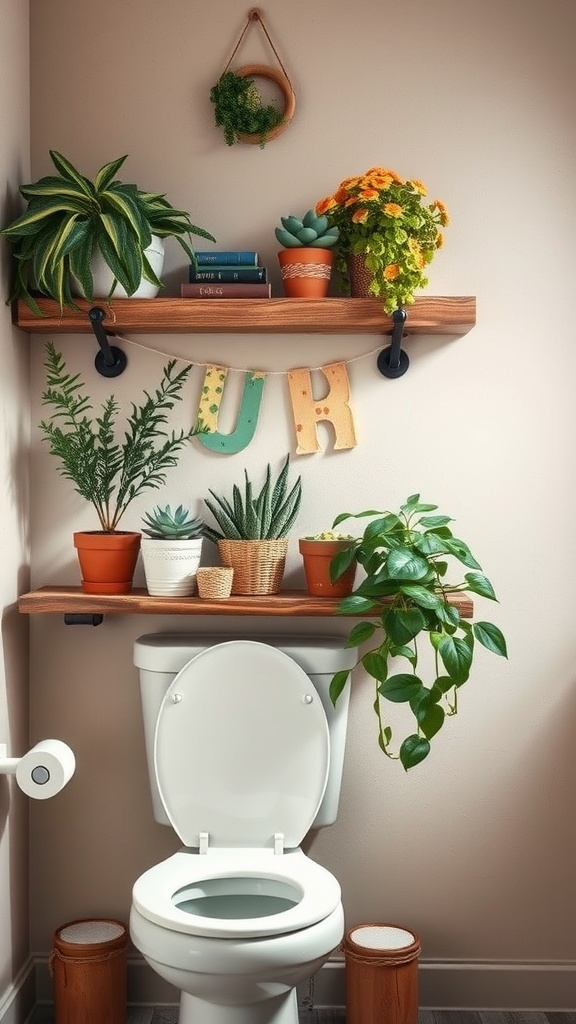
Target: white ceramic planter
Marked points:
103	276
170	566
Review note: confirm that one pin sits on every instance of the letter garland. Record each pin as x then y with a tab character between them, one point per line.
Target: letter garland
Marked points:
335	407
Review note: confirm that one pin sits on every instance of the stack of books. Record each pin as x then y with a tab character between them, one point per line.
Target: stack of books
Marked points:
226	274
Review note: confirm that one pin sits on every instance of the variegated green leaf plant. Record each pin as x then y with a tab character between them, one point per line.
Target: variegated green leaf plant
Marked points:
406	594
69	218
264	516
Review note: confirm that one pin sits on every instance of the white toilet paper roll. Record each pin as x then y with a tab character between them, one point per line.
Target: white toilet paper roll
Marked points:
45	769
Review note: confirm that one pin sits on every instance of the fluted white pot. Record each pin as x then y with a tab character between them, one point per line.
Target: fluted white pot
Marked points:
170	566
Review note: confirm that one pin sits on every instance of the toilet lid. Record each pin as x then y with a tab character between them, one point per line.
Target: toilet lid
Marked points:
241	748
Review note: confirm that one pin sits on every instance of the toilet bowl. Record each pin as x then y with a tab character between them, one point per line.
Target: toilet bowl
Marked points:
241	758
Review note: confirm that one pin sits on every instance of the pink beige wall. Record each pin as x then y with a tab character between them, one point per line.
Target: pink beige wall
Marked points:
14	505
476	848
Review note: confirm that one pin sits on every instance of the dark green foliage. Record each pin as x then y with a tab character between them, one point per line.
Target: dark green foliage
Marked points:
105	471
405	559
70	217
239	109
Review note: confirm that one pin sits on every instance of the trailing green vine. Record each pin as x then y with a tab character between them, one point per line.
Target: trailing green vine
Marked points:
239	109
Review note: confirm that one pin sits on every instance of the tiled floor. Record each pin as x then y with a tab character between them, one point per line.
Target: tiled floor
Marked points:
169	1015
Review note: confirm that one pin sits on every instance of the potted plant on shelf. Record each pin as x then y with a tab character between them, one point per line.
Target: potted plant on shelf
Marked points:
171	551
88	238
320	569
405	556
108	472
388	234
253	530
308	255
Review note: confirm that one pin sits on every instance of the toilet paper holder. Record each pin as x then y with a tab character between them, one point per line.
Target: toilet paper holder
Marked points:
43	771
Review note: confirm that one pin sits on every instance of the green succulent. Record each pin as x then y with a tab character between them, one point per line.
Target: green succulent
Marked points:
164	524
265	516
310	232
69	218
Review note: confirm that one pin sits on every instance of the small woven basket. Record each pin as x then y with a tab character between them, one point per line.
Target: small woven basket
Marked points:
258	564
214	582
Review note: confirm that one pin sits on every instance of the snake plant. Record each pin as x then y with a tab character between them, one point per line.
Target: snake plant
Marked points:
265	516
164	524
69	218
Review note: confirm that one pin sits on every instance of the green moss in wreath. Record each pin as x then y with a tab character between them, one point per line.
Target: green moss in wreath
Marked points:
239	108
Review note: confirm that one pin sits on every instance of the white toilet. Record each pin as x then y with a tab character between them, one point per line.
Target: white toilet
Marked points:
245	754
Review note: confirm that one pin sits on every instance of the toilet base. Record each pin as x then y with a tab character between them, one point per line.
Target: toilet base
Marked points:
282	1009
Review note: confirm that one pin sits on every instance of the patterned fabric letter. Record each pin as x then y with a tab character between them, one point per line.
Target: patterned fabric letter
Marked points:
210	399
335	407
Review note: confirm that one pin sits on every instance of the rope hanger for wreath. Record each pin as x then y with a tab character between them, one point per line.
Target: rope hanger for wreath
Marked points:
239	110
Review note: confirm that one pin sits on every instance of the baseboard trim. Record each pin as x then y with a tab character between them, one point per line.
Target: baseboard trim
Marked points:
443	985
17	1001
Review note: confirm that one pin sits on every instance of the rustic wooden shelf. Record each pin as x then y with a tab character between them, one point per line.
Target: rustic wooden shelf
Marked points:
73	600
428	315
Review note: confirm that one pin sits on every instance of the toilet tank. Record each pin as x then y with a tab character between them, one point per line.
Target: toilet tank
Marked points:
160	656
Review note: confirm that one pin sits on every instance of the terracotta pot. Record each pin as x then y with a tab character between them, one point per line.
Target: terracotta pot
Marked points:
107	560
317	555
306	272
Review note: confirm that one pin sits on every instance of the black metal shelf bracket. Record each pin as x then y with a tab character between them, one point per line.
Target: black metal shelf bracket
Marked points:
82	619
393	361
110	361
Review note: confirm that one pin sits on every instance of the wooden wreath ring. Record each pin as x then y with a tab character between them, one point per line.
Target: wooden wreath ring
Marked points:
283	83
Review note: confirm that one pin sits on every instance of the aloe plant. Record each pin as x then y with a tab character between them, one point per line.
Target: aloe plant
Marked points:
69	218
311	232
268	515
164	524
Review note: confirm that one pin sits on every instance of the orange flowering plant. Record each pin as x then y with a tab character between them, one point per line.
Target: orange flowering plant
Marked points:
385	217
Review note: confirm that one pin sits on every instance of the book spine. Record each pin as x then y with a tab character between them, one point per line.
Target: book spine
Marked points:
228	275
199	290
227	258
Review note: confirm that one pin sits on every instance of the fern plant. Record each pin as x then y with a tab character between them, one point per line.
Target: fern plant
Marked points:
107	472
165	524
264	516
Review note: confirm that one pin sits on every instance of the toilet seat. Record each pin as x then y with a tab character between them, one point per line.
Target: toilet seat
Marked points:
158	891
228	770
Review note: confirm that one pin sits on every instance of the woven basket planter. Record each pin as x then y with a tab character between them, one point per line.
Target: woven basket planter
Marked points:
214	582
258	564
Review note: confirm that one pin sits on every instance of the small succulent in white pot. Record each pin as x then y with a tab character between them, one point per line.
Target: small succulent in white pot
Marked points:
171	551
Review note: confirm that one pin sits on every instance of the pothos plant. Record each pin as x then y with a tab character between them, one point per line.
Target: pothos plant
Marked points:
406	557
239	110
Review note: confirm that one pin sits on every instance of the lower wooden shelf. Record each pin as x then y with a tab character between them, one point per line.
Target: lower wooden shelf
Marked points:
72	600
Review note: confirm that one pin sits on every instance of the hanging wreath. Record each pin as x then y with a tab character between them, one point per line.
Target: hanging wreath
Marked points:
239	109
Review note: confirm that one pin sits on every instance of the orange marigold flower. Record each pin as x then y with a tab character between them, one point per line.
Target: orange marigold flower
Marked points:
391	272
444	216
393	209
341	195
360	216
369	193
324	205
